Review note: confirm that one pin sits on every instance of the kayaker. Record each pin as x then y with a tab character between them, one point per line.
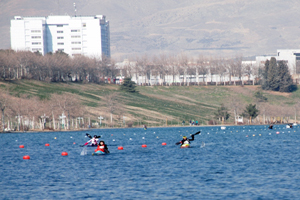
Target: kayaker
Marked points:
186	141
102	147
93	141
271	126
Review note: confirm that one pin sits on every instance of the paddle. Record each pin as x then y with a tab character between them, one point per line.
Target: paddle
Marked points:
177	143
97	136
88	135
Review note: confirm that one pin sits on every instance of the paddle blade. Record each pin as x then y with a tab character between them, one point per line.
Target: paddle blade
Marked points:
197	133
177	143
98	136
89	135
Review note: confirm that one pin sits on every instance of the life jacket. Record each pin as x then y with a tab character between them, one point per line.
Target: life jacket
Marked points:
186	142
100	148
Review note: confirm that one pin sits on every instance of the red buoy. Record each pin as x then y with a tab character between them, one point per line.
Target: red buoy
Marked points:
64	153
21	146
74	143
164	144
144	146
277	132
26	157
120	148
47	145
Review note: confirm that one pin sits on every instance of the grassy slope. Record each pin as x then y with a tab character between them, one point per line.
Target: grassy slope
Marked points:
153	105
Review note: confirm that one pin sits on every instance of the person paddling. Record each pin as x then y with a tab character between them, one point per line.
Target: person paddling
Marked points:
93	141
185	142
102	147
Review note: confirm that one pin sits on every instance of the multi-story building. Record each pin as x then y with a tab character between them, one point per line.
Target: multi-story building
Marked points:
74	35
290	56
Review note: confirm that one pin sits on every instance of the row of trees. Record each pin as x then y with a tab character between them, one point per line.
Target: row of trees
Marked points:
57	67
60	67
250	112
30	113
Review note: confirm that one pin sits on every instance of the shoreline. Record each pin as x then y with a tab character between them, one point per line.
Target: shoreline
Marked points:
90	129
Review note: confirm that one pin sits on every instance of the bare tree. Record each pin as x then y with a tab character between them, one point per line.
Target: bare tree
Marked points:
4	98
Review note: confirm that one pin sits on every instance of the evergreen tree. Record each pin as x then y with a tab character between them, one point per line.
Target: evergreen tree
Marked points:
222	113
276	77
128	86
260	96
265	83
285	79
272	75
250	111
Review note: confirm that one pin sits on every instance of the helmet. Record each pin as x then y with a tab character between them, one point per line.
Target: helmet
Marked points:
184	137
95	136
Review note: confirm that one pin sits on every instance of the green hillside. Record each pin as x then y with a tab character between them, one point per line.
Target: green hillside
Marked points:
160	105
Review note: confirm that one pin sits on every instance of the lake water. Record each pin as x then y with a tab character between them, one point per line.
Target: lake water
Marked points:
222	164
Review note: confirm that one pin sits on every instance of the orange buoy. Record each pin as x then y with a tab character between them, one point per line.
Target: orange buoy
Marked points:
120	148
26	157
21	146
64	153
164	144
47	145
74	143
144	146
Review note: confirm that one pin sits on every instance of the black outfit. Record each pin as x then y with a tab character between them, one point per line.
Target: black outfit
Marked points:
183	140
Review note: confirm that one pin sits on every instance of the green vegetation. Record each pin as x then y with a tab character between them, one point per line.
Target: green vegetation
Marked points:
128	86
222	113
250	111
260	96
159	105
276	77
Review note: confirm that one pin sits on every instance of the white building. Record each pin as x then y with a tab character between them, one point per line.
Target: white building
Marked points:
74	35
290	56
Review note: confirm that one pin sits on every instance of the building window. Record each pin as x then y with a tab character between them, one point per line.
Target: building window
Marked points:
60	43
60	38
35	43
35	31
75	36
83	24
76	48
36	49
36	37
60	32
59	26
60	50
75	31
76	43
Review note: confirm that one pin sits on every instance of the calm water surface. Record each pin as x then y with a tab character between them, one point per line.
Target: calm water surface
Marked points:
222	164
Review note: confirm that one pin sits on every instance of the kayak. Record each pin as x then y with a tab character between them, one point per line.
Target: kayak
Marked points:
185	146
98	153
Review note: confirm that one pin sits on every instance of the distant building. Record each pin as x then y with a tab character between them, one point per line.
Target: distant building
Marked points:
74	35
290	56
